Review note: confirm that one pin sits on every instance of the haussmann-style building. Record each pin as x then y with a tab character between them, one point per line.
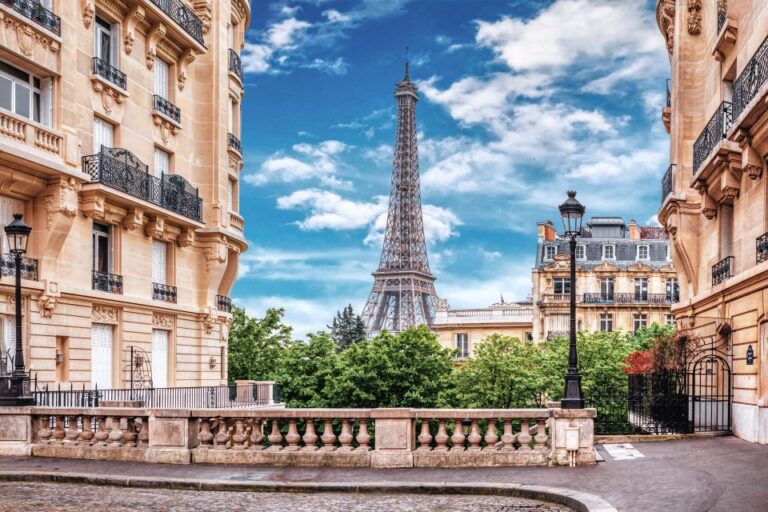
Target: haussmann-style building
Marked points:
625	279
119	143
715	191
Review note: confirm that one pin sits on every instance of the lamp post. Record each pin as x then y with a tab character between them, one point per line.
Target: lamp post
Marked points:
15	390
572	211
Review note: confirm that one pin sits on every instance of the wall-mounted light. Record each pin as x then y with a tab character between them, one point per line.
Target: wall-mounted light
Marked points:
750	355
212	362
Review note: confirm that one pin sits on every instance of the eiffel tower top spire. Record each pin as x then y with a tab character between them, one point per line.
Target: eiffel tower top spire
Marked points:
407	74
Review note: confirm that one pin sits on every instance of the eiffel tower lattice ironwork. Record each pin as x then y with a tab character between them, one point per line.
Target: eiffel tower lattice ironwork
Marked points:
403	293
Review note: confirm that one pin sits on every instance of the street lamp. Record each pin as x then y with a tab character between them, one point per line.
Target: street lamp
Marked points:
16	389
572	211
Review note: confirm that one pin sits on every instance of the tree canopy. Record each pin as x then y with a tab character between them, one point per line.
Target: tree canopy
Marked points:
347	328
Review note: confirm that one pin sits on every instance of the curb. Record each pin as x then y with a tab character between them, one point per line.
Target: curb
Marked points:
655	438
579	501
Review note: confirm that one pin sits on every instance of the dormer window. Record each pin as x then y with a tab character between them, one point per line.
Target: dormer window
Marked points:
609	252
643	253
581	252
549	252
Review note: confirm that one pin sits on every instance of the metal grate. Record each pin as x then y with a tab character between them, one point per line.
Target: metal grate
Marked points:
35	11
750	80
166	108
183	16
235	65
666	183
28	268
110	73
234	143
223	303
712	134
722	270
164	292
106	282
626	298
761	244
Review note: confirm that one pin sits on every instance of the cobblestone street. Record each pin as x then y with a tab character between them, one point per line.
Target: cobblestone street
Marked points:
16	496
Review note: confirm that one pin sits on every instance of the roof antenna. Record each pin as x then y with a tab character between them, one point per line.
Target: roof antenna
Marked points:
407	74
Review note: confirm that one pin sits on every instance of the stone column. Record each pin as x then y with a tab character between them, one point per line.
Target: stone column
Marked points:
15	431
395	438
569	422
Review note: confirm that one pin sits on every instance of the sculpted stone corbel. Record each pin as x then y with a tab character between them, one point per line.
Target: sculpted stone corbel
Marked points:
186	237
155	34
88	12
694	17
63	201
751	161
187	58
133	17
134	219
708	206
216	253
665	18
203	11
47	301
101	314
155	227
209	319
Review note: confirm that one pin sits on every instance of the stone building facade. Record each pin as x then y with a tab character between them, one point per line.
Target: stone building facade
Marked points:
624	278
714	194
119	142
463	329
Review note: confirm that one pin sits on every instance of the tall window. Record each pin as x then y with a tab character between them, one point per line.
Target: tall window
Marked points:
561	285
8	333
161	78
641	289
643	253
462	345
8	206
640	321
101	356
609	252
607	286
669	319
105	44
726	230
102	248
159	262
162	163
673	290
25	95
606	322
549	252
581	252
103	134
159	358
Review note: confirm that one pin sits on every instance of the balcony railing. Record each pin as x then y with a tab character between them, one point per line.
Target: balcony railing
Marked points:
235	65
164	292
712	134
666	183
120	169
166	108
721	17
234	143
669	94
722	270
28	267
34	10
224	303
183	16
110	73
762	247
626	298
750	80
106	282
557	298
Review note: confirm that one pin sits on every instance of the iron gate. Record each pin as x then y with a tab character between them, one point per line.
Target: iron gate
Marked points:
710	394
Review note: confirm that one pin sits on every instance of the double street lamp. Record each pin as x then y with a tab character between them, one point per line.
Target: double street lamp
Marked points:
572	212
15	388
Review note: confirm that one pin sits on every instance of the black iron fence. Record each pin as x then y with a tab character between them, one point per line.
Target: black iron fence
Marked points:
165	107
751	79
713	133
109	73
235	65
761	247
35	11
722	270
200	397
183	16
164	292
106	282
28	268
666	183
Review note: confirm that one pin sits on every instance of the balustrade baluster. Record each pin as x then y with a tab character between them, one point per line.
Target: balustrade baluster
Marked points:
441	439
310	436
524	437
474	437
275	437
58	433
257	435
221	439
425	438
328	437
204	435
458	437
71	434
44	432
116	434
239	436
143	431
101	435
491	437
87	434
508	438
363	437
541	435
131	435
292	437
345	438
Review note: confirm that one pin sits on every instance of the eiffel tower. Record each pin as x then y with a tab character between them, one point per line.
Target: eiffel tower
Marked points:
403	293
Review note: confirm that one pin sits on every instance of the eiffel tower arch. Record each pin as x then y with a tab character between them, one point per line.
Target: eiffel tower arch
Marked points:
403	293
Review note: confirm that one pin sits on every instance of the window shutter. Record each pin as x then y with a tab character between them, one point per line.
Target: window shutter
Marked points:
101	356
159	358
159	261
162	162
46	101
161	78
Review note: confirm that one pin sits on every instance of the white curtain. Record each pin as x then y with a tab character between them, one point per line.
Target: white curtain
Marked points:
159	262
161	78
101	356
159	358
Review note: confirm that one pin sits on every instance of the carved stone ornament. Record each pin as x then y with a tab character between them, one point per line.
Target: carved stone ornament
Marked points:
155	227
27	38
134	219
88	12
187	58
186	237
165	127
46	304
209	320
163	321
751	161
694	17
665	18
203	11
215	254
155	34
10	304
108	94
132	19
63	201
104	314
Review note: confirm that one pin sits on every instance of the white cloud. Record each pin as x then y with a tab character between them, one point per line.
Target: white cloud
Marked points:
284	33
305	316
311	161
330	67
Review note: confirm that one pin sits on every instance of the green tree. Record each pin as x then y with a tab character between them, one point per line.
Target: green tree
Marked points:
347	328
307	370
256	345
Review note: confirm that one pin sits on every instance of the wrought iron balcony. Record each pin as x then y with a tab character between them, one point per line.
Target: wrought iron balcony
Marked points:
666	183
183	16
762	247
28	267
234	143
721	17
626	298
722	270
224	303
110	73
120	169
106	282
712	134
235	65
165	107
669	94
751	79
164	292
35	11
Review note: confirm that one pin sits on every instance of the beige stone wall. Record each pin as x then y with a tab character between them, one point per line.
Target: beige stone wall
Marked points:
477	333
41	165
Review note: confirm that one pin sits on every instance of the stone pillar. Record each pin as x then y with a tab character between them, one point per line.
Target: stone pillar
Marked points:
171	434
563	424
395	438
265	391
15	431
245	390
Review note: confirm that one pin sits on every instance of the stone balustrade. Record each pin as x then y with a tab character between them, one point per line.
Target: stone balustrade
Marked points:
304	437
30	133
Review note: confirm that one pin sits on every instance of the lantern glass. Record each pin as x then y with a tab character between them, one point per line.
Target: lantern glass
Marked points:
572	212
17	233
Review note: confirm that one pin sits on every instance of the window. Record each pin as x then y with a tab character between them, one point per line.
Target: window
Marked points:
161	78
669	253
103	134
726	230
643	253
101	356
581	253
607	286
561	285
231	116
232	196
159	358
673	290
105	45
62	358
549	252
609	252
102	248
26	95
162	163
669	319
606	322
528	336
159	262
232	34
462	345
8	206
641	289
640	321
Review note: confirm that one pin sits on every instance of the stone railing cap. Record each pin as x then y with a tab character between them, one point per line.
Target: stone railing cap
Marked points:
574	413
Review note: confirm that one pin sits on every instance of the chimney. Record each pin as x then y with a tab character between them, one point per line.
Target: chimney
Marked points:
634	230
546	231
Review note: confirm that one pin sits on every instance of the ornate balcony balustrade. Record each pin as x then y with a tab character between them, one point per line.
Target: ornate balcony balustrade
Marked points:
224	303
751	79
234	143
108	72
235	65
28	267
165	107
106	282
626	298
762	247
712	134
35	11
164	292
183	16
120	169
666	183
722	270
557	298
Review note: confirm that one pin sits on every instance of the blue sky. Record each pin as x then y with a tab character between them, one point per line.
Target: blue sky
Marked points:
521	100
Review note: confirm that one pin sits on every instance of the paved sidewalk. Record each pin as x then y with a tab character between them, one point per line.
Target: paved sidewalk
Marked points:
723	473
